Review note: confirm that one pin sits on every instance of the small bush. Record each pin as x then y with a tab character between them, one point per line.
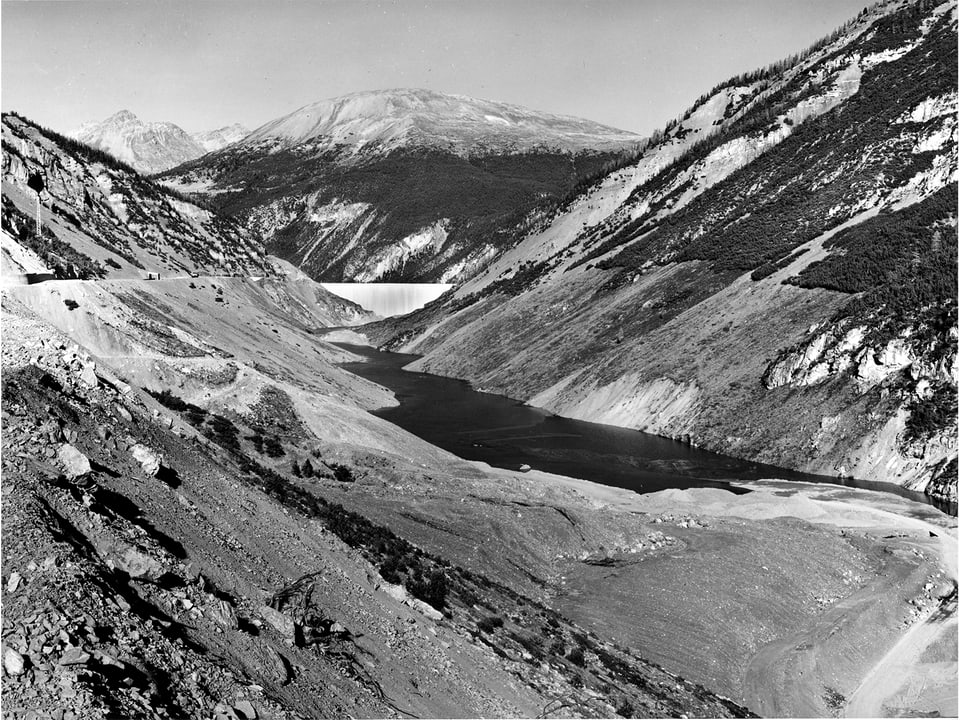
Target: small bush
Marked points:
341	473
431	589
273	448
576	656
932	415
71	304
489	624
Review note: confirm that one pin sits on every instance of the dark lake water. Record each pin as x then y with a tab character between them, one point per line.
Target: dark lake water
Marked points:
506	433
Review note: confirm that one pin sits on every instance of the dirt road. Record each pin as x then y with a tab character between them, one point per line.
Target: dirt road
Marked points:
903	681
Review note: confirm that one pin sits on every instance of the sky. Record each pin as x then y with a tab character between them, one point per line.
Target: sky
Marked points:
203	64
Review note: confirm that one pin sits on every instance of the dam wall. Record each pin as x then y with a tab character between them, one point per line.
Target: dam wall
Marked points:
389	299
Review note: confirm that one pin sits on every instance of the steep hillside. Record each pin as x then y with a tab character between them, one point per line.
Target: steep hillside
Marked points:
775	278
152	147
399	185
100	218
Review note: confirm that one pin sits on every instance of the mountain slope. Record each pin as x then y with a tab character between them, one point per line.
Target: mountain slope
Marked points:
399	185
102	218
775	278
218	139
152	147
387	119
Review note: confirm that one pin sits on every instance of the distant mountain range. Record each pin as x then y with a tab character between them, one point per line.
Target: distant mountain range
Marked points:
151	147
408	185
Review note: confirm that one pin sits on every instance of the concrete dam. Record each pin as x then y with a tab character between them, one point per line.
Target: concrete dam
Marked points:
389	299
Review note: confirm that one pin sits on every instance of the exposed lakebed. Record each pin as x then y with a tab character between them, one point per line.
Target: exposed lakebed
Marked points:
506	433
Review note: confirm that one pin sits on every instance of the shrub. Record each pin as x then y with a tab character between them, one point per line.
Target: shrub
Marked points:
931	415
432	589
223	432
576	656
272	447
489	624
71	304
341	473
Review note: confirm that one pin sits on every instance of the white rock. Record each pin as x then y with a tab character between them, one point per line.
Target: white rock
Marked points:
88	376
12	661
148	459
75	463
280	622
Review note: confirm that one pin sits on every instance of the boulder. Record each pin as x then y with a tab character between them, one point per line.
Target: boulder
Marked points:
148	459
73	655
224	712
246	709
397	592
12	661
275	665
139	565
425	609
75	463
88	375
222	613
280	622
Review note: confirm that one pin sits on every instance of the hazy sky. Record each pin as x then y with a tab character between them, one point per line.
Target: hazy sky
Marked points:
632	64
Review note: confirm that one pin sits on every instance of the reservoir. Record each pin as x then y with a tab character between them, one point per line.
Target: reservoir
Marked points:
506	433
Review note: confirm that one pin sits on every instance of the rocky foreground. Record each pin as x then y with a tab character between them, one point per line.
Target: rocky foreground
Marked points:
217	528
155	565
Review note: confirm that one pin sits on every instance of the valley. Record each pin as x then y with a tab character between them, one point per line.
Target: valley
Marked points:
409	404
677	561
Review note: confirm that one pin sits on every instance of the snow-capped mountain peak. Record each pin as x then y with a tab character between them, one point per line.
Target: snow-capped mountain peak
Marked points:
465	125
153	147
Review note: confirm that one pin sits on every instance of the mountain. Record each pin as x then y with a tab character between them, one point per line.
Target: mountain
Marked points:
101	218
156	146
400	185
773	278
386	119
217	139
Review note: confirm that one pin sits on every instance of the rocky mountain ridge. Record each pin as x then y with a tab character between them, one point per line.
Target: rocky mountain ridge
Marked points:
152	147
672	289
100	218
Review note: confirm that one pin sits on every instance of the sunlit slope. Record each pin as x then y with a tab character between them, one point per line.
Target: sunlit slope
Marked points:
775	279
